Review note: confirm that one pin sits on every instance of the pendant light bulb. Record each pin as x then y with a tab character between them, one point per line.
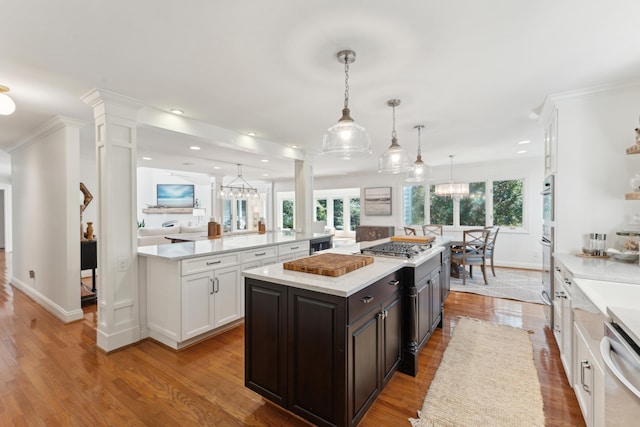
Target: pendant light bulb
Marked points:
346	139
395	160
7	106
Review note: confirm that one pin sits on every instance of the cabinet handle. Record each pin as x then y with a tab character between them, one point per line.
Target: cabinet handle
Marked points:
557	328
558	269
214	262
211	293
367	299
560	294
293	248
217	289
386	313
584	365
394	282
567	282
261	253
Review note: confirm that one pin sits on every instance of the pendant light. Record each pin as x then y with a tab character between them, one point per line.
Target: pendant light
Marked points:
7	106
419	168
395	159
238	189
451	188
346	139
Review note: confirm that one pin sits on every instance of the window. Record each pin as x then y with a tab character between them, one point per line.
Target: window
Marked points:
473	207
321	209
440	208
354	213
287	214
414	202
338	214
507	203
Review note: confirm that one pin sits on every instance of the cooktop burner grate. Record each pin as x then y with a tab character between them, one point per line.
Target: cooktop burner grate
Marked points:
396	249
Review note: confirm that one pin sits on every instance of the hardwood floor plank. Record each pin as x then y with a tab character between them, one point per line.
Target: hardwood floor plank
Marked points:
53	374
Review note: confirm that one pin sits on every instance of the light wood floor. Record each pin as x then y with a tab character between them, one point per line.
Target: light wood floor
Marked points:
53	374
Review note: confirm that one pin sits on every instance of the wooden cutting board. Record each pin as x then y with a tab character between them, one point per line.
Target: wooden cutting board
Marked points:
333	265
413	239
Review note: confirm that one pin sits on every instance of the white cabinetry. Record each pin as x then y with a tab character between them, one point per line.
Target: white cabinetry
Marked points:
291	251
551	142
563	317
588	381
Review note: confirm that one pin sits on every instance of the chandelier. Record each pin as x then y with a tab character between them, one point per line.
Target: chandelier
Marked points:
395	159
451	188
238	189
417	173
346	139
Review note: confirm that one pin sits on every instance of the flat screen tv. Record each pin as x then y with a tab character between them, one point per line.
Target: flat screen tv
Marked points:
175	195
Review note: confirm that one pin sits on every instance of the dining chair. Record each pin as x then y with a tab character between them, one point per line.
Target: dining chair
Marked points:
491	243
432	230
410	231
472	252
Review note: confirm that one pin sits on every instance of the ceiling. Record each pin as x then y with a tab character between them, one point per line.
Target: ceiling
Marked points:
474	73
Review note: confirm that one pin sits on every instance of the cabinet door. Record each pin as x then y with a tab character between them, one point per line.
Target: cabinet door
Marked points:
227	295
445	277
364	363
567	337
436	300
197	304
391	336
583	379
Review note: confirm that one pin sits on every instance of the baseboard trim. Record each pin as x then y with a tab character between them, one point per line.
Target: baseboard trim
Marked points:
53	308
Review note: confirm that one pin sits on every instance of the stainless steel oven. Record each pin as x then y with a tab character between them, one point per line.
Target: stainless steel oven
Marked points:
547	242
548	193
621	357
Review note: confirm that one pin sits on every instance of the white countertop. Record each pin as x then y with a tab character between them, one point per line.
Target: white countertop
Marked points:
347	284
628	319
601	269
184	250
606	294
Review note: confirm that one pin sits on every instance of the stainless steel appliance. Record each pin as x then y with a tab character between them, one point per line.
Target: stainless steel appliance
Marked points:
621	356
547	242
396	249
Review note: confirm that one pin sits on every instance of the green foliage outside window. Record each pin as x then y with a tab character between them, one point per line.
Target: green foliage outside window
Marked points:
414	204
441	208
507	203
338	214
354	212
321	210
473	206
287	214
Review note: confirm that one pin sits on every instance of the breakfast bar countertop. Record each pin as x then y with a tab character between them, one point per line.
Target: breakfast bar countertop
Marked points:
601	269
204	247
347	284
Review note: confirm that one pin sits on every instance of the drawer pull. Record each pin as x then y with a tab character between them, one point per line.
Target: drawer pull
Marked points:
214	262
584	364
367	299
261	253
394	282
293	248
558	269
567	282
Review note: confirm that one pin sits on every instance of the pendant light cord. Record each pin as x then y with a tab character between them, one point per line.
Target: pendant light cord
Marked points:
419	151
451	175
346	81
393	131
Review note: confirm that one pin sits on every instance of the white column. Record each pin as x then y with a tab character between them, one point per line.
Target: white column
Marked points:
304	196
119	301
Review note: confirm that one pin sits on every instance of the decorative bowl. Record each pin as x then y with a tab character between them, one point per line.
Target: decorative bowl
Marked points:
625	256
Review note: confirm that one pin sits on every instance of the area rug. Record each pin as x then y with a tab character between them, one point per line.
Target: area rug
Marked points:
486	378
521	285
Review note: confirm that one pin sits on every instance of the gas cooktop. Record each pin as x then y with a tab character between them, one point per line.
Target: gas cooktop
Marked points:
396	249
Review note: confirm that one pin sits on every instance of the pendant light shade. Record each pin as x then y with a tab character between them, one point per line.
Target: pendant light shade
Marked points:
451	188
7	106
238	189
346	139
419	168
395	159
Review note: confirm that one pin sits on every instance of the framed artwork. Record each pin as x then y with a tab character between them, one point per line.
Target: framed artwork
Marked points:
377	201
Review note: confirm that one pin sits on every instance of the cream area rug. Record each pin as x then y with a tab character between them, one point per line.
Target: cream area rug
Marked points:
521	285
486	378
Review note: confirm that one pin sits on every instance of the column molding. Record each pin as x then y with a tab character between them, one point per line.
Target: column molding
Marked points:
303	203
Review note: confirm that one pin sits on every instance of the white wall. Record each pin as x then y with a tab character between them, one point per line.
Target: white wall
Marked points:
594	130
46	218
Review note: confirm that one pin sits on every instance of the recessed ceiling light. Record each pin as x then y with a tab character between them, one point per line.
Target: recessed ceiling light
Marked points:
294	146
265	174
187	164
251	133
524	142
176	111
146	158
264	161
195	147
521	152
216	167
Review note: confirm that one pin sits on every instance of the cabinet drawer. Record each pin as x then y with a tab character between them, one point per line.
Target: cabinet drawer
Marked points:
259	254
372	296
289	248
207	263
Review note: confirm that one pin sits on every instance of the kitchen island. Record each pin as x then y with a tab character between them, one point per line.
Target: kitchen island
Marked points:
194	289
324	347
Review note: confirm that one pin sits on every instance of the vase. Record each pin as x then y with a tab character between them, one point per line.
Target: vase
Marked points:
89	231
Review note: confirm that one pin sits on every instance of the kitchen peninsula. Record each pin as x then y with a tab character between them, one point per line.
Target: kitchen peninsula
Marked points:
194	289
324	347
